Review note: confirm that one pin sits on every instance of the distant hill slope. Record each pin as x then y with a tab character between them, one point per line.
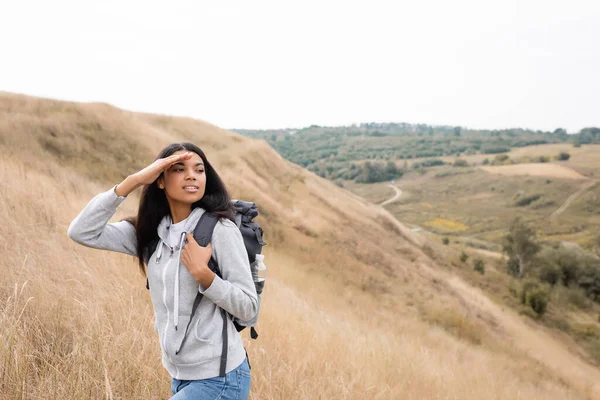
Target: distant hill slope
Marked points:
358	306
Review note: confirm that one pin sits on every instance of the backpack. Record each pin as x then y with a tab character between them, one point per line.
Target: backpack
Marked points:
252	234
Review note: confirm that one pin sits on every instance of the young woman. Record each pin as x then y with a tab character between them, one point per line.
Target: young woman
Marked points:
178	187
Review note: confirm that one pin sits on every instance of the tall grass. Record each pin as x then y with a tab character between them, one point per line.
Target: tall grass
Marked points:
336	322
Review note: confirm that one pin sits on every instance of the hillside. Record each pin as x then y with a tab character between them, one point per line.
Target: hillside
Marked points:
357	306
340	152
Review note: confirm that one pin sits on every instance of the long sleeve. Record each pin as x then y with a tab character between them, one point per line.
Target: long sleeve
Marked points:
92	229
235	293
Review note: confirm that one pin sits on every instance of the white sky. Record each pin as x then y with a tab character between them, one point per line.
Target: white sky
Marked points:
275	64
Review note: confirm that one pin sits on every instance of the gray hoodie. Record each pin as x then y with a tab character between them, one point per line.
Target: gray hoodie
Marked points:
173	288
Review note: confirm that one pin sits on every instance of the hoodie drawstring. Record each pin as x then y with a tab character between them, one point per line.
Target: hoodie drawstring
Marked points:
176	288
159	252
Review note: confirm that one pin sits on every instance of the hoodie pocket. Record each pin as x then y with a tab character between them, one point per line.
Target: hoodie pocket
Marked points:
199	333
195	349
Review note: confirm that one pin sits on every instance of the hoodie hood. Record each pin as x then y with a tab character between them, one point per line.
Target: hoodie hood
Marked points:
163	233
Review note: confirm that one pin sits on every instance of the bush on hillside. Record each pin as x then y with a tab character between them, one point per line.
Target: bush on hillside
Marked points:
479	265
549	273
537	299
589	279
445	240
534	296
464	257
512	266
527	200
572	267
494	149
372	172
434	162
460	163
501	159
527	286
563	156
562	260
542	159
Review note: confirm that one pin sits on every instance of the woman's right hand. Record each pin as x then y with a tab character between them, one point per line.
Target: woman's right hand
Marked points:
149	174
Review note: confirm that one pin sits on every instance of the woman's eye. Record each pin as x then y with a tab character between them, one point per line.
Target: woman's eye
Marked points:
200	170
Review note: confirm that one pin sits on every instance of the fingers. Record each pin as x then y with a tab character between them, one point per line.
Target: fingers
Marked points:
167	162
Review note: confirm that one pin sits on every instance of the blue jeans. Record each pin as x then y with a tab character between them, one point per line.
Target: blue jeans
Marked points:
235	385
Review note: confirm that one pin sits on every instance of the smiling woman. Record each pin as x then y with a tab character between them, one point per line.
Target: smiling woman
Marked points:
178	188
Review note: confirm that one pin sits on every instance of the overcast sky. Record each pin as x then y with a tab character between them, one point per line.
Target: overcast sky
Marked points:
274	64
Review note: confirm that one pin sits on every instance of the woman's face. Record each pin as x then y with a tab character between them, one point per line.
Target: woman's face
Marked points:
185	181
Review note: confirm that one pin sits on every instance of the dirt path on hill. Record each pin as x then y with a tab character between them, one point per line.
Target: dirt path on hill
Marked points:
487	253
394	197
573	197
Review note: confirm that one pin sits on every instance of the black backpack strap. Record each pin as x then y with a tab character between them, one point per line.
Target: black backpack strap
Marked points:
194	307
204	229
203	235
225	345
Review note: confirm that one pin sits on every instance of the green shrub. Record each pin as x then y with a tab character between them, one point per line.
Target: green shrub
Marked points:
460	163
493	149
549	273
479	266
570	261
527	200
577	298
501	159
445	240
512	266
542	159
588	278
428	163
563	156
464	257
537	299
527	286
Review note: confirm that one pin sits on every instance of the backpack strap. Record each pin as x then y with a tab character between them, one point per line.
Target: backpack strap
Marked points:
203	235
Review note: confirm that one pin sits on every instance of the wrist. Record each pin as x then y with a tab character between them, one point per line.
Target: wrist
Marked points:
133	181
204	276
128	185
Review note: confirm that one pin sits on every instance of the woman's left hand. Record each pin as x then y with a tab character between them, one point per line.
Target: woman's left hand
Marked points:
196	258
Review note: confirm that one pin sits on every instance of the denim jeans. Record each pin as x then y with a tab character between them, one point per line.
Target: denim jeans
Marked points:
233	386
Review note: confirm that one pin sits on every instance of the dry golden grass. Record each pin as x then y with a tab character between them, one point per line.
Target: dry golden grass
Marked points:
539	169
344	313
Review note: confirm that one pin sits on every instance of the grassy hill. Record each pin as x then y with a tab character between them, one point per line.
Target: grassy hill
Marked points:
357	306
336	152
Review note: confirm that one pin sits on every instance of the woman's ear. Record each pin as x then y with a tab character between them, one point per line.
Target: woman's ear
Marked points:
160	183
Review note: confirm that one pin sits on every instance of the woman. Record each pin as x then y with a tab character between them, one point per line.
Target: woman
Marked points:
178	187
